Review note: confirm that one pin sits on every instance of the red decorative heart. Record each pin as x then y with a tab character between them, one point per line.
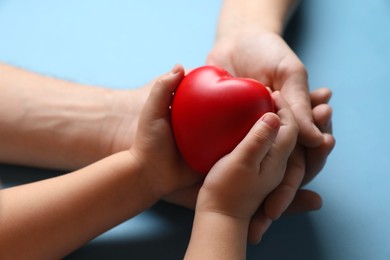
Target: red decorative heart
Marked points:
212	112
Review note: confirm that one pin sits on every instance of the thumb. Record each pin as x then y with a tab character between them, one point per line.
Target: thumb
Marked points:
161	94
256	144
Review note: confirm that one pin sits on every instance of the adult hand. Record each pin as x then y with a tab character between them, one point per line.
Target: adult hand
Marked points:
266	57
238	183
288	197
289	190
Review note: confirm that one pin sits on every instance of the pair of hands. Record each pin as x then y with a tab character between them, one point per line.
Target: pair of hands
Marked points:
267	58
247	174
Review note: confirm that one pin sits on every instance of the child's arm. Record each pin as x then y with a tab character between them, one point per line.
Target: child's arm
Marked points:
237	185
51	218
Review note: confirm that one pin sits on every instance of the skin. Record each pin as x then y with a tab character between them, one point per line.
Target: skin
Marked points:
50	123
93	122
251	171
51	218
249	43
125	183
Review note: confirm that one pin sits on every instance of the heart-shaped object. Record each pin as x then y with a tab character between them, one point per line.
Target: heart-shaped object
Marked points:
212	112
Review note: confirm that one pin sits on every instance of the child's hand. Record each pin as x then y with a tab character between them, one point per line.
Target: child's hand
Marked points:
154	148
289	196
240	181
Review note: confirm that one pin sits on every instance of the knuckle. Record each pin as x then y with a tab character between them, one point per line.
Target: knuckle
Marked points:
301	69
160	82
293	67
262	137
289	139
294	129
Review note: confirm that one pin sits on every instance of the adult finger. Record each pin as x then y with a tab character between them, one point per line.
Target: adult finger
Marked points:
259	224
304	201
295	90
322	115
278	201
280	152
185	197
317	157
320	96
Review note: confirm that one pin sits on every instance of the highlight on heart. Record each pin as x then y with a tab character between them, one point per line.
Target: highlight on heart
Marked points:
212	111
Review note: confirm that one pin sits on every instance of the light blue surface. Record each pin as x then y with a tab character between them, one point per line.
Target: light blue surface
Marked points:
344	44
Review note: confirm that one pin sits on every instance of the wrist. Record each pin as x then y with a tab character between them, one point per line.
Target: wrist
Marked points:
238	26
152	186
208	206
120	124
217	236
241	17
223	217
139	171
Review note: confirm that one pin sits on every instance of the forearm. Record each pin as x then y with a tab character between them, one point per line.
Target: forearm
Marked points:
249	15
48	122
51	218
217	236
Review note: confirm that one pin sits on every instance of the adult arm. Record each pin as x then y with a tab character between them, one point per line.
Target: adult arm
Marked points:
238	15
51	218
48	122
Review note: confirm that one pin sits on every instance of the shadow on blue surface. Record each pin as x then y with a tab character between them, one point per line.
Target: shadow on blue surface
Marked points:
168	243
291	237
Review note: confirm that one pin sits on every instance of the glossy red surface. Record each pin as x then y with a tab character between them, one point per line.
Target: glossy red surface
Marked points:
212	112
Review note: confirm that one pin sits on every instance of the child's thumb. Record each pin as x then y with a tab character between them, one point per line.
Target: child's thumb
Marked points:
256	144
161	94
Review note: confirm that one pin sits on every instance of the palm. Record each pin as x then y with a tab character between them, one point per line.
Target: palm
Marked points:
154	143
265	57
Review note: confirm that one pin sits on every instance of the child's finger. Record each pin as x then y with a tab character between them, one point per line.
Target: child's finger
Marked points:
276	161
254	147
280	198
287	137
160	97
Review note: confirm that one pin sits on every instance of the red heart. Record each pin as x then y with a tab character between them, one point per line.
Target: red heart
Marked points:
212	112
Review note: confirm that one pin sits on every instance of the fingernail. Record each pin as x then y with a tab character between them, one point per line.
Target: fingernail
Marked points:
269	89
270	120
328	126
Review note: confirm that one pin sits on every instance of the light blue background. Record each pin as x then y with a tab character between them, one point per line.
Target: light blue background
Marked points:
124	44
